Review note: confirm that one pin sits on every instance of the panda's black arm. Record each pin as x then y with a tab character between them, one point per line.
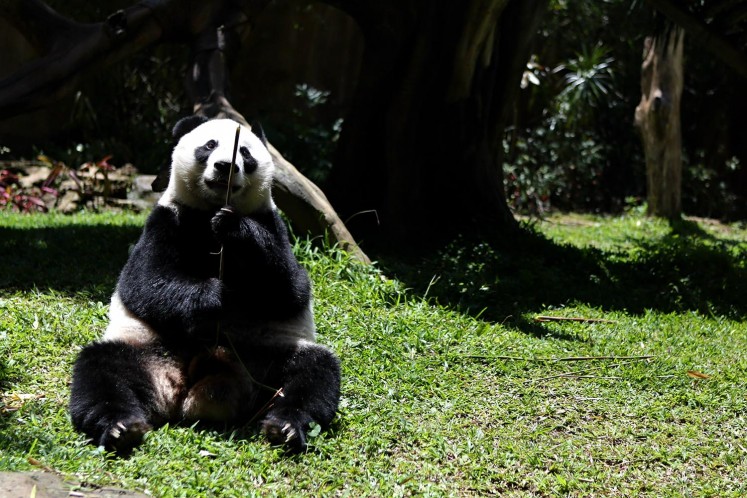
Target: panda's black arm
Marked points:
258	250
162	284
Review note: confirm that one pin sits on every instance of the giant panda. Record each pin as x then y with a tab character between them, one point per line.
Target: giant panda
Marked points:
182	344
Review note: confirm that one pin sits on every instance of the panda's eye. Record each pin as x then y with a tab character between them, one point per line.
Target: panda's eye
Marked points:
211	145
244	151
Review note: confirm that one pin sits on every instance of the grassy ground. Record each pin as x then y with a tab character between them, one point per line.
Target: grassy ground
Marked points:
451	387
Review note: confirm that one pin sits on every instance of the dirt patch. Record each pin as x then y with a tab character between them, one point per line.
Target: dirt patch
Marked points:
48	485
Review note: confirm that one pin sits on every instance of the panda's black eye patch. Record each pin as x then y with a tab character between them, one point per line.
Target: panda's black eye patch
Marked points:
203	151
250	164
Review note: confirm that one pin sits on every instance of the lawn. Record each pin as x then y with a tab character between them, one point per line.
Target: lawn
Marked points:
451	386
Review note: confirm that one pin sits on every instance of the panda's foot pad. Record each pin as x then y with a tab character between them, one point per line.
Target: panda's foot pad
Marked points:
125	434
284	431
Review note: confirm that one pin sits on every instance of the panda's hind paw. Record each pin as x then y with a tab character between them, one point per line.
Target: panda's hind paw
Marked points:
286	431
124	435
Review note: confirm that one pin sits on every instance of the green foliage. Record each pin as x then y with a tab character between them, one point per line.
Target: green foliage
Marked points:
707	191
459	398
552	165
126	113
573	145
588	82
129	111
308	140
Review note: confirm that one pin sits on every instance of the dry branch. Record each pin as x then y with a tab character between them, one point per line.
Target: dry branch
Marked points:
544	318
565	358
583	373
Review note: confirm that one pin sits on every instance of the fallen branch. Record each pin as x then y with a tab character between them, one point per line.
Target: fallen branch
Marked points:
544	318
588	358
566	358
583	372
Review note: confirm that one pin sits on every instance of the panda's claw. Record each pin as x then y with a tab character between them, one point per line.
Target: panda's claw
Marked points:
284	432
124	435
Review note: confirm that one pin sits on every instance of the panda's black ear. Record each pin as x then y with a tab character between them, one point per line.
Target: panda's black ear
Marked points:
257	130
185	125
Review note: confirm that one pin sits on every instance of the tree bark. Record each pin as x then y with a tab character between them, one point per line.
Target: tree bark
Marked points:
658	120
422	144
704	34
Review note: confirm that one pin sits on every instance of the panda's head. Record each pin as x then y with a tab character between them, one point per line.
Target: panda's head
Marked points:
201	163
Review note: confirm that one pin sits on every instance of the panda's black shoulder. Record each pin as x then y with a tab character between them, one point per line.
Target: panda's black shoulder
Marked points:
161	217
172	237
272	220
167	221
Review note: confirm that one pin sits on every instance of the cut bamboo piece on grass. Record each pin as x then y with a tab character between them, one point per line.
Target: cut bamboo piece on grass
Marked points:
562	358
584	373
545	318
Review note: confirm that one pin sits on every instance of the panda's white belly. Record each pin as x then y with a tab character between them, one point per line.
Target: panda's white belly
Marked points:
125	326
287	332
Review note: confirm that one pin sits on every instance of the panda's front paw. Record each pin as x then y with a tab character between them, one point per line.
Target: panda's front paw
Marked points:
287	428
225	222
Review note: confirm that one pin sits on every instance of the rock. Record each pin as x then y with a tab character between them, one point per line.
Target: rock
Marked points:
142	190
49	485
69	202
35	175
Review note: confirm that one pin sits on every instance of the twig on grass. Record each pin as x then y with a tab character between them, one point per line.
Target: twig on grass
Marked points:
592	358
36	463
545	318
565	358
581	374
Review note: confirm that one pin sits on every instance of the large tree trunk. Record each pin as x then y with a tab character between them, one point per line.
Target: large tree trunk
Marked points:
658	119
421	145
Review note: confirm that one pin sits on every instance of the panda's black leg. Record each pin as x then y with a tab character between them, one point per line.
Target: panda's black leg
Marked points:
310	378
113	397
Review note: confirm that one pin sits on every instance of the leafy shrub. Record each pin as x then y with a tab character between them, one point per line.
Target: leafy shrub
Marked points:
13	196
707	192
554	167
308	140
560	161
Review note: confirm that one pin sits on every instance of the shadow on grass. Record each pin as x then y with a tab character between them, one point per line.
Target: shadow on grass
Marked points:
686	270
69	259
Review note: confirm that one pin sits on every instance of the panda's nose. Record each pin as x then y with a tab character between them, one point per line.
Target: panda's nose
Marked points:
223	167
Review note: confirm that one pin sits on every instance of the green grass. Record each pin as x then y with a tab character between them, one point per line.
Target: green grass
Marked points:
449	386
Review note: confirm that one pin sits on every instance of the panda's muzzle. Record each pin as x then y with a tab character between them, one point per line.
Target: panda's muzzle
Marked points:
220	182
220	186
223	167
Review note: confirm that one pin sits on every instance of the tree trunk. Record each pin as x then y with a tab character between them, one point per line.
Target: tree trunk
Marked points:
658	120
422	144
